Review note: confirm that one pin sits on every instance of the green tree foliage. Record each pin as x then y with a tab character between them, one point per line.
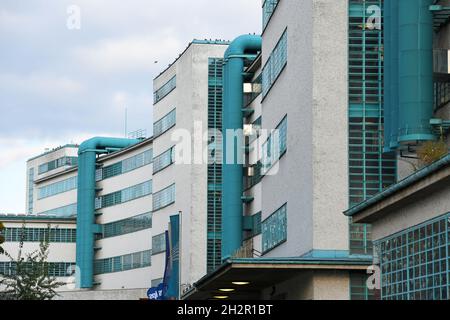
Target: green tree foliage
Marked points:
29	277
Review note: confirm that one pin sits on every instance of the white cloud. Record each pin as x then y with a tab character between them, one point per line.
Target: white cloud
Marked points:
128	54
40	84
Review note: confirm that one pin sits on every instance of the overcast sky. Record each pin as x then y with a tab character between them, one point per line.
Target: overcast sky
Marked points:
60	86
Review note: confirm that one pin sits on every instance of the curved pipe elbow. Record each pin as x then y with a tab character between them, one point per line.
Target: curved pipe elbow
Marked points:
243	44
102	142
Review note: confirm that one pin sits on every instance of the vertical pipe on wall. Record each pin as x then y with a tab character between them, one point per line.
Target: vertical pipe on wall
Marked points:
232	171
415	22
87	154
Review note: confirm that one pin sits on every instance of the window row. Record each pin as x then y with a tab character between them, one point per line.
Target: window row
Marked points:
123	263
57	188
125	195
61	212
165	123
269	7
130	225
274	229
167	88
159	243
58	163
55	269
129	164
163	160
39	234
275	146
275	64
164	198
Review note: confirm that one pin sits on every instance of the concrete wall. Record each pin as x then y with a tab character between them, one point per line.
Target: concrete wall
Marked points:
190	98
130	294
312	91
436	203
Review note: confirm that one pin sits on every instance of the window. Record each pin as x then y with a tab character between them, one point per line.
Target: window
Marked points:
274	229
275	64
130	225
57	188
30	190
39	234
164	197
163	160
127	165
414	262
165	123
275	146
122	263
66	211
358	287
125	195
167	88
58	163
55	269
159	243
269	7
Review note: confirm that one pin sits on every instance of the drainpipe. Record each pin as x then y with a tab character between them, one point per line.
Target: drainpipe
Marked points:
86	227
415	23
232	171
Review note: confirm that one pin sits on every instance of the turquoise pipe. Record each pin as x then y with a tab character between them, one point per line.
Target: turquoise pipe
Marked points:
87	154
387	75
232	172
415	22
393	73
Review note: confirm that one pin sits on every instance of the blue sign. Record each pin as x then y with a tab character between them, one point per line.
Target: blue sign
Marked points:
156	293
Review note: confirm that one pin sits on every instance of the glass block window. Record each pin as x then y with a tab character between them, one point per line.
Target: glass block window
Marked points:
214	196
167	88
125	195
127	165
66	211
274	229
163	160
275	146
39	234
30	190
269	7
55	269
159	243
165	123
370	170
58	163
57	188
358	287
415	263
130	225
275	64
164	198
126	262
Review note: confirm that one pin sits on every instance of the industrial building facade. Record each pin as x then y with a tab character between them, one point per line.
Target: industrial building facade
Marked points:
297	126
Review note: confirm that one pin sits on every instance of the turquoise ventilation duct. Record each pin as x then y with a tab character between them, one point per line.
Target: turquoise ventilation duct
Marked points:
415	40
86	227
232	118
